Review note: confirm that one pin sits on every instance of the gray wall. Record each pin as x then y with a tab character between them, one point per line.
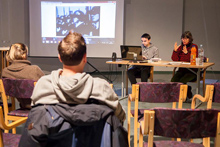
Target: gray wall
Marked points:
164	20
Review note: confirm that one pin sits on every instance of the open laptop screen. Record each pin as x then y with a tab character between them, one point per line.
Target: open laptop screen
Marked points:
128	52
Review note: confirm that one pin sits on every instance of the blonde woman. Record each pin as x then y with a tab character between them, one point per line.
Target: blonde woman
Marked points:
20	67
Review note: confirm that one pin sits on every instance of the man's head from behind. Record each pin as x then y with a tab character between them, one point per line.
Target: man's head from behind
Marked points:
72	49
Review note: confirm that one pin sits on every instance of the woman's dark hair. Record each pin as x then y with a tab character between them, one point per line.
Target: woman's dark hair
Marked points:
187	34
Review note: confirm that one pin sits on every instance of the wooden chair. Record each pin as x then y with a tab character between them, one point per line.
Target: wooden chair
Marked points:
15	88
202	78
8	139
212	94
209	96
153	92
180	123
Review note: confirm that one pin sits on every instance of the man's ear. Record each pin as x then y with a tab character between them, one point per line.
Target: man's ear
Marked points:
60	58
84	58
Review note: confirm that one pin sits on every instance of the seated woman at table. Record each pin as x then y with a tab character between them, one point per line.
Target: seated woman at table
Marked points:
182	53
20	67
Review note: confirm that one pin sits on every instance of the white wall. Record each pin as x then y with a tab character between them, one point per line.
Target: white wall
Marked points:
202	18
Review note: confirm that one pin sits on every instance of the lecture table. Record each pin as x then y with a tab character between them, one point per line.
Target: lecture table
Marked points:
163	64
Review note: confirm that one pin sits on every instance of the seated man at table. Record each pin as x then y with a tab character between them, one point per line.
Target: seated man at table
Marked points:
182	53
71	85
148	51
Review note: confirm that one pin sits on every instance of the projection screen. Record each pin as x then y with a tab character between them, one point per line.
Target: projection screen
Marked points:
100	22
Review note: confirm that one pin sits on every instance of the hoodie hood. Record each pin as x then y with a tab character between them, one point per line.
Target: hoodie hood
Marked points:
75	89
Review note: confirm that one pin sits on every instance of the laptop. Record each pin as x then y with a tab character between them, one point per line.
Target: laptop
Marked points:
128	52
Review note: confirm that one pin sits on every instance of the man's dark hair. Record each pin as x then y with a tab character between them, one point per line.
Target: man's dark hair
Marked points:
187	34
72	49
145	35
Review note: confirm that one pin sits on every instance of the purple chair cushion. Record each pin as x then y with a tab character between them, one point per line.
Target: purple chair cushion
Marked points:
19	88
185	123
20	112
216	95
11	140
161	92
174	144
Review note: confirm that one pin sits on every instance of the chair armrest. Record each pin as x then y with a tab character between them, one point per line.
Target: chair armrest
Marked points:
11	125
131	98
198	96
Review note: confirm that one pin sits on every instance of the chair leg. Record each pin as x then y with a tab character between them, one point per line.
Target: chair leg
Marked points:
203	84
136	123
14	131
206	142
129	122
1	139
140	139
6	131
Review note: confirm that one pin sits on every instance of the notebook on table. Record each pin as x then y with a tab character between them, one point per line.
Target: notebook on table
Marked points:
129	52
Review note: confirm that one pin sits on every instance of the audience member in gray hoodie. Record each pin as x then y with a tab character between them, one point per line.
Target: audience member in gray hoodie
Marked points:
71	85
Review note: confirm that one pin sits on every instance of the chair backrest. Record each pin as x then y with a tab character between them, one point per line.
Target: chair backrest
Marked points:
216	94
202	123
19	88
181	123
15	88
161	92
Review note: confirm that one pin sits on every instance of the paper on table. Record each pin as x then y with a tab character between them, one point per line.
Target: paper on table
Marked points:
174	63
188	63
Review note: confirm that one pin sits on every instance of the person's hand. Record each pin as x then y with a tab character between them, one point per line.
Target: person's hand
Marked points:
144	58
176	47
185	49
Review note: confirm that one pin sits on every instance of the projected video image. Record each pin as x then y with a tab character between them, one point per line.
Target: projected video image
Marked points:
84	19
96	21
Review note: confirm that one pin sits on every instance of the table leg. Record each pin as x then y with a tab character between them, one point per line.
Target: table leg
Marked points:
198	82
126	80
198	103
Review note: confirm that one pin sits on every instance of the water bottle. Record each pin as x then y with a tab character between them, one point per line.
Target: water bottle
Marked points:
201	54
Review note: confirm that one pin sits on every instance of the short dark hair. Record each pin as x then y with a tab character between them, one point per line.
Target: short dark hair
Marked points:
145	35
72	49
187	34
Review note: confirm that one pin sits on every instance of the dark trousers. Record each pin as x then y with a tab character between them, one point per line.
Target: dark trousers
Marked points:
184	75
142	72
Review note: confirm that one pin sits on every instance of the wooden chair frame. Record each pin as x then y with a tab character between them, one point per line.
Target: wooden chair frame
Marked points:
207	98
6	109
134	96
147	128
10	126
